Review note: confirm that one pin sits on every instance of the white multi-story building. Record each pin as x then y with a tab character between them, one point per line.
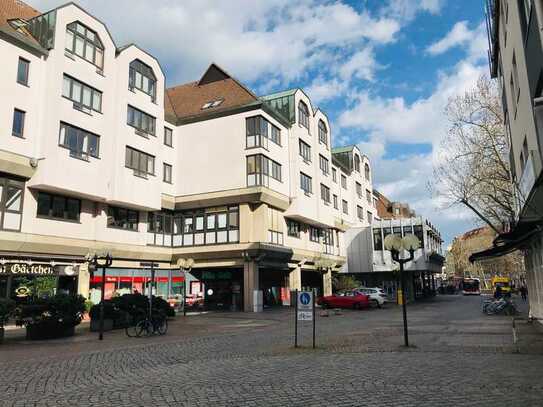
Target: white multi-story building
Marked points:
97	154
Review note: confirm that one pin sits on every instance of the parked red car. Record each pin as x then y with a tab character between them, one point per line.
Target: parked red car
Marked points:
345	299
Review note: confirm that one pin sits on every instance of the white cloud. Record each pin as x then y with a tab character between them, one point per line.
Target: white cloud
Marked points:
406	10
322	90
474	41
361	65
272	39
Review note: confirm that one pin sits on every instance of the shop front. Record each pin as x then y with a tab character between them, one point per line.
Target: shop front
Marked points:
22	280
167	284
217	289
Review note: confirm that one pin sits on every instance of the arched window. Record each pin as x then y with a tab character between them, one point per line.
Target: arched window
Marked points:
141	77
323	133
84	42
303	115
357	163
367	171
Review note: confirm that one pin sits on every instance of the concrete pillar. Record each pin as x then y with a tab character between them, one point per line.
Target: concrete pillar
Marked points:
250	283
83	280
327	282
295	279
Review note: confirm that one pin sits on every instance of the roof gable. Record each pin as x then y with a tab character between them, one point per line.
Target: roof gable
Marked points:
213	74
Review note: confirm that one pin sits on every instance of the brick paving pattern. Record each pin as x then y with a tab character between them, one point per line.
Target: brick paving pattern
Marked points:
461	357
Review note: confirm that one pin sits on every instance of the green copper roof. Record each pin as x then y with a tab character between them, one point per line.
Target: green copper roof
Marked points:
344	149
281	94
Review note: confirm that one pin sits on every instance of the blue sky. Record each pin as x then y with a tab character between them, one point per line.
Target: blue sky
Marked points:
382	70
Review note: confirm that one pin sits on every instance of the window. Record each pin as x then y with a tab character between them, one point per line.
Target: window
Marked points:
305	150
334	175
22	71
85	43
81	143
259	169
345	207
368	196
323	133
343	181
324	165
359	189
203	227
58	207
335	202
325	194
11	203
275	170
142	163
314	234
275	226
82	95
377	240
141	77
367	172
514	84
293	228
357	163
168	137
18	127
370	217
167	173
141	121
303	115
257	132
360	212
305	183
275	134
122	218
328	238
417	231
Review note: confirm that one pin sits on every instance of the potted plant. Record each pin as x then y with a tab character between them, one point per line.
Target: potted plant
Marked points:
7	306
53	317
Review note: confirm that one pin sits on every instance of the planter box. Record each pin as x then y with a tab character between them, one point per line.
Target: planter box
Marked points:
95	325
48	331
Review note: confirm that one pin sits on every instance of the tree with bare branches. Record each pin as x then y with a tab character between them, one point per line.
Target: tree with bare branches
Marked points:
472	166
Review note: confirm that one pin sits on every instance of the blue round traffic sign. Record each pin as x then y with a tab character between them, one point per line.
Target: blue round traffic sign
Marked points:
305	298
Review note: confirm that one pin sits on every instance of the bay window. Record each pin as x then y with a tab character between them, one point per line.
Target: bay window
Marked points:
85	43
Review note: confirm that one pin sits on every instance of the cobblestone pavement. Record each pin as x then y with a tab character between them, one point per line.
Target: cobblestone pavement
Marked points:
460	357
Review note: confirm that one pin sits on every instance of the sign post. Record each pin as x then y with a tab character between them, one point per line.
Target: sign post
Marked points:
304	311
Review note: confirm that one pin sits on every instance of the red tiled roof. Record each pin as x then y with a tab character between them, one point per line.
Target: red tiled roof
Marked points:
16	9
188	99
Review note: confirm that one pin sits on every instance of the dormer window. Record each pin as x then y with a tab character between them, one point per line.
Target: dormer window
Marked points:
213	103
85	43
303	115
357	163
141	77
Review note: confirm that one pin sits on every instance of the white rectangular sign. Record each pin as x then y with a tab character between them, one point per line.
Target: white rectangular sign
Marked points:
305	315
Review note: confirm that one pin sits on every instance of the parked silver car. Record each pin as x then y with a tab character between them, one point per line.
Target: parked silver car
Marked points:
377	296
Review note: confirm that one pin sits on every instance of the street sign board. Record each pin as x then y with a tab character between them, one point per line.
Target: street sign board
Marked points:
305	306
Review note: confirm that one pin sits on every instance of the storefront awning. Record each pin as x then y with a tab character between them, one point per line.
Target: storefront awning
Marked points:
506	243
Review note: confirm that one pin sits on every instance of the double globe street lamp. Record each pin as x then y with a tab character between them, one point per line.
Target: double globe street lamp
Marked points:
186	266
397	245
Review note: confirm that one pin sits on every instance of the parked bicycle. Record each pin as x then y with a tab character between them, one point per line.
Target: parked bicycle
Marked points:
500	306
145	326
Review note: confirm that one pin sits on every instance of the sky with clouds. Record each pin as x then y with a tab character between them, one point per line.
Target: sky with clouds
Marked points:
382	70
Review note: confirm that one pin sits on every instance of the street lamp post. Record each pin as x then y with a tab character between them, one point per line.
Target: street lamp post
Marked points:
186	266
103	260
152	265
395	244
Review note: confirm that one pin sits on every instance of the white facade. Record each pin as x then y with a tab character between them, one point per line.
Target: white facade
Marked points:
208	159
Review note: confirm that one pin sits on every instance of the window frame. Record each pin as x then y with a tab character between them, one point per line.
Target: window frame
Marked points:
323	133
344	181
74	154
303	114
169	131
314	234
96	44
293	228
345	206
7	182
111	209
304	150
26	63
309	181
137	171
50	215
166	166
151	79
324	162
325	194
81	103
140	130
23	115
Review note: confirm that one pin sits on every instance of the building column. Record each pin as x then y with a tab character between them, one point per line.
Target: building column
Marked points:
250	284
327	282
83	280
295	279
